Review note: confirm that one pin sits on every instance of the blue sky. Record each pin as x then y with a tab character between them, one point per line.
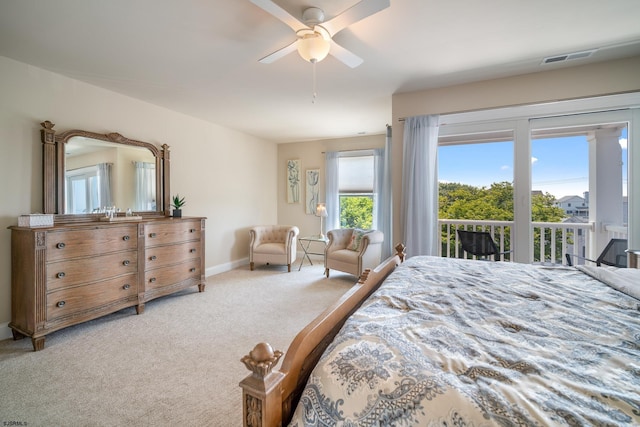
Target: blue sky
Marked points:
560	166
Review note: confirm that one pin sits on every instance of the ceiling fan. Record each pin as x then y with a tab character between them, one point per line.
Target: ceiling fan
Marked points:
314	36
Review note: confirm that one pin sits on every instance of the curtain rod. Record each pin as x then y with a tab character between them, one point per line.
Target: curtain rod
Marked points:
349	151
402	119
532	104
478	110
523	104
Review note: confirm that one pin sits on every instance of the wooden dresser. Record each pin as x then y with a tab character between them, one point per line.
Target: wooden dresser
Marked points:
173	256
68	274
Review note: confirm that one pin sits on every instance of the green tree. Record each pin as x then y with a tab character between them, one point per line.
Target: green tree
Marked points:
461	201
542	209
356	212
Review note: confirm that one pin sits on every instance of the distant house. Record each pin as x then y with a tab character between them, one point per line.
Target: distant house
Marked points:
575	206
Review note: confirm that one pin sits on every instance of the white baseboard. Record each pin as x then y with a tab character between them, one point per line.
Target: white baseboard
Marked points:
221	268
5	331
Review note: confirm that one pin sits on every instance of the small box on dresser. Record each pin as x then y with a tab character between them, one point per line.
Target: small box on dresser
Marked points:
35	220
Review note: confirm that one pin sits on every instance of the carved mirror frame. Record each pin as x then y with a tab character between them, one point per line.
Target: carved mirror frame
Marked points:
53	172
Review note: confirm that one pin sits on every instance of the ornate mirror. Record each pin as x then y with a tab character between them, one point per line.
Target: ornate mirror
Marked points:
85	173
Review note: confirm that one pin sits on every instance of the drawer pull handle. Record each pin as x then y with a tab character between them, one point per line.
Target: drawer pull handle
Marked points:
125	262
125	238
152	258
60	275
193	251
152	235
60	304
192	269
127	286
192	230
153	279
60	245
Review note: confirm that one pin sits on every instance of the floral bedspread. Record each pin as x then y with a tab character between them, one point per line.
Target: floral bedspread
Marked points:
475	343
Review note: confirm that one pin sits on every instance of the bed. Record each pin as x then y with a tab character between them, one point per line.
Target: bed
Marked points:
460	342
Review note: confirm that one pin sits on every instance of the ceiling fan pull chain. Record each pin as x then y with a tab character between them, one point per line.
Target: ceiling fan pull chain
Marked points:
315	92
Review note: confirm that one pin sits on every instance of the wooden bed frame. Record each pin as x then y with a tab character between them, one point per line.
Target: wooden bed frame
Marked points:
270	397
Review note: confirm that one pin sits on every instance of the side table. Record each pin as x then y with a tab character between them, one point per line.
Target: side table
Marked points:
305	243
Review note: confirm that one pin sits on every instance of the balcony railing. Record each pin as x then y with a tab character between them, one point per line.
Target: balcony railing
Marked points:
551	240
451	247
616	231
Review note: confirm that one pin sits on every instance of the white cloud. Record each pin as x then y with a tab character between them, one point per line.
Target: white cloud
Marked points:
505	168
534	160
623	143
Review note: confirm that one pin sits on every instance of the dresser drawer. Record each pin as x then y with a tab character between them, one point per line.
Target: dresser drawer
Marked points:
62	274
161	256
75	243
71	301
166	276
171	232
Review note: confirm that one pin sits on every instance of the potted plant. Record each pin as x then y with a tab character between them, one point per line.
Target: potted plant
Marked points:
178	203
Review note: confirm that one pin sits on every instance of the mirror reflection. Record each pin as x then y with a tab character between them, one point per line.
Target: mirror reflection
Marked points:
101	175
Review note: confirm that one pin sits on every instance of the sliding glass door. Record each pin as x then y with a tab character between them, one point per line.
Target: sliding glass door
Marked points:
569	176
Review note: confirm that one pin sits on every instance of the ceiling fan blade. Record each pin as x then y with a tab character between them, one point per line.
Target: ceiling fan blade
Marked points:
279	53
275	10
356	13
347	57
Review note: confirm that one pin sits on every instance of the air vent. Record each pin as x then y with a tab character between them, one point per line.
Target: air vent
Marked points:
568	56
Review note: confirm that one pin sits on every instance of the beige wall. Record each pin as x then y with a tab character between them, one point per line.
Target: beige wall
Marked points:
226	176
234	179
563	84
311	156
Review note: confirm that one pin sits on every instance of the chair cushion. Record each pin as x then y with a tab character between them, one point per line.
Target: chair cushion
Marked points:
346	256
271	248
356	239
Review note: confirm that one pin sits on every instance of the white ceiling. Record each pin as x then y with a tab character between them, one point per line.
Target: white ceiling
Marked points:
200	57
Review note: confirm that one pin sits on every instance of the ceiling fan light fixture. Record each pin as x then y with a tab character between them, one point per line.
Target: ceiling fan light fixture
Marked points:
313	47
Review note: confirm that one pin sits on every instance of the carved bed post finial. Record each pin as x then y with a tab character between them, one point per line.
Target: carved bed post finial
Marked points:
261	391
400	251
364	275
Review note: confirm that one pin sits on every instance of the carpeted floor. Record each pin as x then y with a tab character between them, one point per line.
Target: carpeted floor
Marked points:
176	364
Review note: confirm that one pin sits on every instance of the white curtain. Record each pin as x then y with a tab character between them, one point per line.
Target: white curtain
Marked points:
145	186
382	199
332	190
104	183
420	185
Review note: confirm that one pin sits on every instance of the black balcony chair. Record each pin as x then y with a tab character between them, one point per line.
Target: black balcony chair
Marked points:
614	254
480	244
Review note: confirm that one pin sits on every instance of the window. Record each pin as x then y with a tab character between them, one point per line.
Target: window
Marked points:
547	147
563	158
475	174
82	190
355	190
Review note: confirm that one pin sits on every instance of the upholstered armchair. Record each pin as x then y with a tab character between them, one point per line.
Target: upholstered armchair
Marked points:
273	244
352	252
